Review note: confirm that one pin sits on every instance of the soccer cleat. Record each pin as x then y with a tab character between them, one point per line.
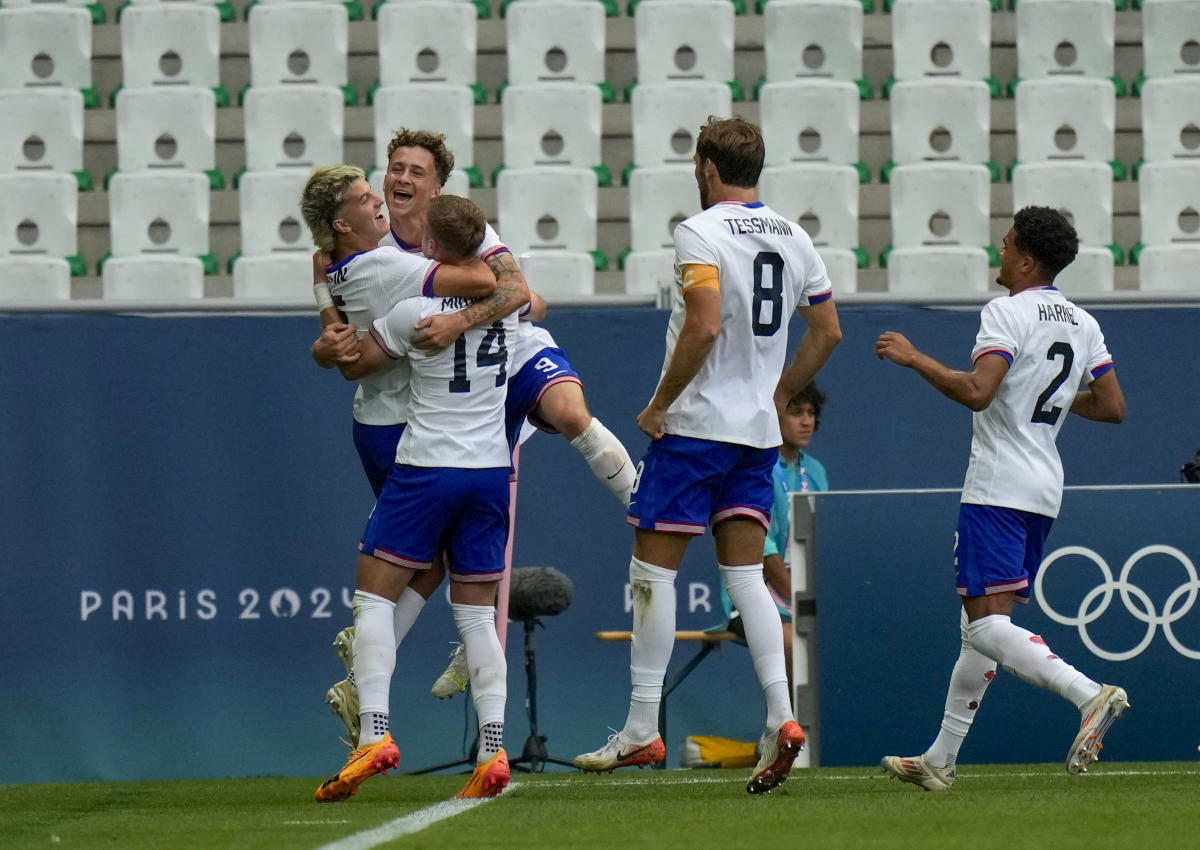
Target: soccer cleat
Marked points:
776	751
619	752
344	644
488	779
343	701
455	678
362	764
919	771
1097	716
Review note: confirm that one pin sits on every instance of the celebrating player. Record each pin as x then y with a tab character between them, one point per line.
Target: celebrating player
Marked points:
1032	349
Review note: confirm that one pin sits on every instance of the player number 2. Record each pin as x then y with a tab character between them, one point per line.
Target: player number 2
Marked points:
768	298
1041	414
485	355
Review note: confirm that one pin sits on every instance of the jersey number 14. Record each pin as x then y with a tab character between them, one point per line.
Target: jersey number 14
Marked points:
491	352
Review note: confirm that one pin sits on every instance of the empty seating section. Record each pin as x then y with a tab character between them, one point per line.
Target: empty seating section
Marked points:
121	145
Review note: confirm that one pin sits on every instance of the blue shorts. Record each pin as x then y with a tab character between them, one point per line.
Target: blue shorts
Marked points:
422	511
526	388
376	446
685	483
997	550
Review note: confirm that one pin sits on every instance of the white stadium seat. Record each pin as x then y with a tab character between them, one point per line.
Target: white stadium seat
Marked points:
1065	37
1171	117
42	130
813	39
1066	118
38	214
1169	201
814	121
557	124
667	118
823	199
1091	271
1170	33
427	41
555	41
651	273
944	270
939	204
684	40
35	279
166	128
659	198
158	213
287	127
557	274
154	278
269	214
942	39
298	43
47	46
941	119
444	108
1169	268
841	265
1083	189
171	44
279	277
547	208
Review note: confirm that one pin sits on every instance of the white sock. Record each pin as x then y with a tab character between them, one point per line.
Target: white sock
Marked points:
650	650
487	669
972	674
374	662
1027	656
408	608
607	458
764	636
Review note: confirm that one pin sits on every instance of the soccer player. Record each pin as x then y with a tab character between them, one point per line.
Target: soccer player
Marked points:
448	489
740	271
543	387
1032	349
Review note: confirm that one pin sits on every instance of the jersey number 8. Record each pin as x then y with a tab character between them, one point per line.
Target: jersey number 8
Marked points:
767	299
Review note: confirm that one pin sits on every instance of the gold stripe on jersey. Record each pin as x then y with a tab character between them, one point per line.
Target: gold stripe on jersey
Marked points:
698	275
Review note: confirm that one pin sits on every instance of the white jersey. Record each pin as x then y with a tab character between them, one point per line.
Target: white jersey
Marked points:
766	267
1050	344
382	398
456	412
530	340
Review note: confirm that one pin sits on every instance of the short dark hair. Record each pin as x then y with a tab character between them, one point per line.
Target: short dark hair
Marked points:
811	394
457	224
1047	236
735	147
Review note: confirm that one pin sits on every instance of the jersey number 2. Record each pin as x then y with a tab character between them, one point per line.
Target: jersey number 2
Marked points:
771	294
1040	414
485	355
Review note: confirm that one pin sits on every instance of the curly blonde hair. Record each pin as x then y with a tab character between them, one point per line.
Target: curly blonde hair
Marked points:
322	200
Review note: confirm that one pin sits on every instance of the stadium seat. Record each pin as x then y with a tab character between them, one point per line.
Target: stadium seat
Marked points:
168	128
437	107
551	207
1170	33
156	213
428	41
1169	203
942	39
651	273
814	121
38	217
1169	268
841	265
823	199
43	131
1083	189
1171	118
555	124
668	116
557	274
557	41
172	44
1090	271
659	198
814	39
47	46
269	214
940	204
681	40
943	270
276	277
94	9
935	120
299	43
1067	118
1066	38
34	279
224	8
300	127
154	278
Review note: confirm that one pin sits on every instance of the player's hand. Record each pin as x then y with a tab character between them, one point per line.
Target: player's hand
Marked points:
651	421
321	261
438	332
338	343
895	347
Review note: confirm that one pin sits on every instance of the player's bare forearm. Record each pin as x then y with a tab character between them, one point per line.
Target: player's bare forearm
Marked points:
371	358
438	332
1103	401
974	389
701	325
820	339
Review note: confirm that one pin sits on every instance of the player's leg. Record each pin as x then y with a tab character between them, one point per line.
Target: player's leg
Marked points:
740	518
478	535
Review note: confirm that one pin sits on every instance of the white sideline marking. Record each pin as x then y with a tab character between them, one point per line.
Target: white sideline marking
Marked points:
406	825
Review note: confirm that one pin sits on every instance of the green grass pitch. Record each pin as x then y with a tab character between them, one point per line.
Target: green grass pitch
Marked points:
1119	805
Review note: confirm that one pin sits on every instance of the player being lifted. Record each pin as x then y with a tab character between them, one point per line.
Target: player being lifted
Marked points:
448	486
740	271
543	385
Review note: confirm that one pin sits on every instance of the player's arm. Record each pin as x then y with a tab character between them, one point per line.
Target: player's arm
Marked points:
335	342
473	279
701	324
1102	401
537	307
440	330
974	389
372	357
822	337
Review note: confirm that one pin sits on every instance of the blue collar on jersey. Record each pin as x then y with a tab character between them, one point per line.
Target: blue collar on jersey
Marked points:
335	266
753	205
404	246
1035	289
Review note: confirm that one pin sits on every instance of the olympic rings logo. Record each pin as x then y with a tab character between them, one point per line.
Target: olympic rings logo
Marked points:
1136	601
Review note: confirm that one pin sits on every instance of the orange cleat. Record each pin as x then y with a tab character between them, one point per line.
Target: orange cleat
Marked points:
489	778
363	763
